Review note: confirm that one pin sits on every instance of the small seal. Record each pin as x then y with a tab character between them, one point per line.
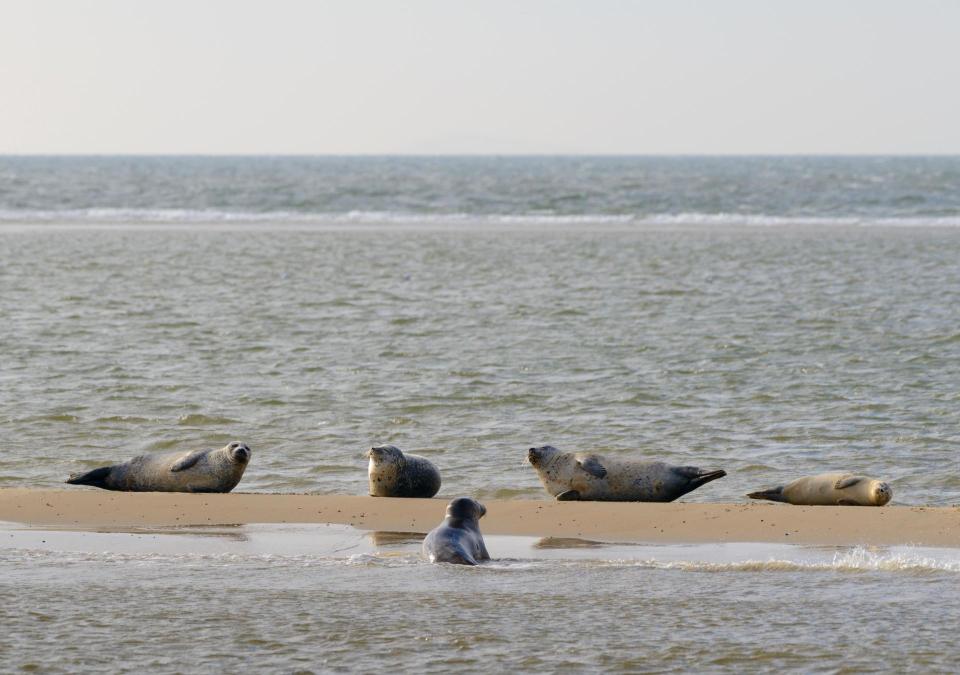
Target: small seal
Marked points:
577	476
830	489
198	471
394	474
457	539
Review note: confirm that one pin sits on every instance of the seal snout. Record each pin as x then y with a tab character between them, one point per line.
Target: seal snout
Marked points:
240	452
541	455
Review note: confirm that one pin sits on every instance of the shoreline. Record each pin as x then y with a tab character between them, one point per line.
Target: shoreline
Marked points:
626	522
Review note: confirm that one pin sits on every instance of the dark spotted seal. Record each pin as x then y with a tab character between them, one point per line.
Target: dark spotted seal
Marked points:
457	539
198	471
585	477
394	474
830	489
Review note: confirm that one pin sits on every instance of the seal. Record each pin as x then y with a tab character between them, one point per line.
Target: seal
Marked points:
394	474
830	489
197	471
586	477
457	539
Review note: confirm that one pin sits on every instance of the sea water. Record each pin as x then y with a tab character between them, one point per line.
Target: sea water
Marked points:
773	317
330	598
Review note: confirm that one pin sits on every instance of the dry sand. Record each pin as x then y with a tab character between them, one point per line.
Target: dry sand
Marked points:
612	522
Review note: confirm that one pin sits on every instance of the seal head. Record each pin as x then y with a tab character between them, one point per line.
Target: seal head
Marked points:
457	539
239	452
542	456
881	492
466	508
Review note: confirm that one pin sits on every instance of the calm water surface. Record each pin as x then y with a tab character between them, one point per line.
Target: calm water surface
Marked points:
771	316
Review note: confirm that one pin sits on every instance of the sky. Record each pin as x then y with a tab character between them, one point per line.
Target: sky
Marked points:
490	77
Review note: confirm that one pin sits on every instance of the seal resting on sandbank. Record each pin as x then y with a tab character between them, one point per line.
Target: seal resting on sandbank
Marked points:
457	539
572	476
830	489
197	471
395	474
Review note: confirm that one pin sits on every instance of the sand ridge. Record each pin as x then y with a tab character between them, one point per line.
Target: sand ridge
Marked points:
600	521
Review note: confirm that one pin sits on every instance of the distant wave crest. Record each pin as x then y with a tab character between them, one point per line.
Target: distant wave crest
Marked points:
135	216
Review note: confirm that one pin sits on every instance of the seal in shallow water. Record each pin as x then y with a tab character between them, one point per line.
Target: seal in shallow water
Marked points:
457	539
830	489
394	474
198	471
585	477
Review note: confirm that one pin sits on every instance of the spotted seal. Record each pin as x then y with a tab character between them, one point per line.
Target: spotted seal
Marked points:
395	474
586	477
197	471
830	489
457	539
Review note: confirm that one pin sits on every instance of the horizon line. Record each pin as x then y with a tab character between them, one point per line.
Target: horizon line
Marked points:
485	155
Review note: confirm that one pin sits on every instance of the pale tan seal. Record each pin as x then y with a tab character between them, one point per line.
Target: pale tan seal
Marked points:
585	477
394	474
198	471
457	539
830	489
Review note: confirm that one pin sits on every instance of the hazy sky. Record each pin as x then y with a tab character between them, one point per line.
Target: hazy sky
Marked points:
446	76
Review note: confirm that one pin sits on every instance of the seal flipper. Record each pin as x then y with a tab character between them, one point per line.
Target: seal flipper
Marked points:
482	553
189	460
592	465
96	478
773	494
568	496
698	476
847	481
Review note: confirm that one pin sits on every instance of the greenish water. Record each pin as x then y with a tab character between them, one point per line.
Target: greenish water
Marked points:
769	352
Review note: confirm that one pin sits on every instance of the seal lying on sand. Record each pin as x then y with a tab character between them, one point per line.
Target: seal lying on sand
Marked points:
457	539
394	474
585	477
198	471
830	489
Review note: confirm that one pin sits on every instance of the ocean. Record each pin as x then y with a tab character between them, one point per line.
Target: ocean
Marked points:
771	316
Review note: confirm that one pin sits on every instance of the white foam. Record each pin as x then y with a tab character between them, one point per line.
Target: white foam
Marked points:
132	216
300	545
857	559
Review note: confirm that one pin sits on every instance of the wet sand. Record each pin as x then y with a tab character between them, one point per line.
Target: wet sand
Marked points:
609	522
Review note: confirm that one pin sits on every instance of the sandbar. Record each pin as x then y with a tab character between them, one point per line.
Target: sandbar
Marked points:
676	522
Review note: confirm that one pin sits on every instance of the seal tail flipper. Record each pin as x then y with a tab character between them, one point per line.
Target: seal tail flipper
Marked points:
773	494
96	478
707	476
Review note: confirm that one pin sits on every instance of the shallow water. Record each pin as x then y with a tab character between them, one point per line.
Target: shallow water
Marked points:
771	353
329	598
